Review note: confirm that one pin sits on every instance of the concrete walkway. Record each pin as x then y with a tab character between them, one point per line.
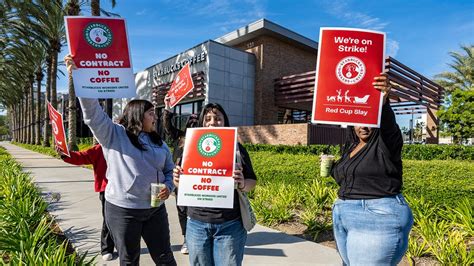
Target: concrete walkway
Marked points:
78	213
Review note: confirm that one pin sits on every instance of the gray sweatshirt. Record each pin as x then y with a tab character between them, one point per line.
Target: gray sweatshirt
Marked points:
130	171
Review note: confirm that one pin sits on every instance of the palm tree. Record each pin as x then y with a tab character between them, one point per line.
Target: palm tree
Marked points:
462	74
72	9
95	11
46	20
456	114
21	56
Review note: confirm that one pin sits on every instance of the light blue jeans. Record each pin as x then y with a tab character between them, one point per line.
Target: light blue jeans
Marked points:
372	231
215	244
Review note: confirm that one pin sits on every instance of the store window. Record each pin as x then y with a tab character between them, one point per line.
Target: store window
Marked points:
182	112
293	116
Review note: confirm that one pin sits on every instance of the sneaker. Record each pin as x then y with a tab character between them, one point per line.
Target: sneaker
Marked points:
184	248
107	256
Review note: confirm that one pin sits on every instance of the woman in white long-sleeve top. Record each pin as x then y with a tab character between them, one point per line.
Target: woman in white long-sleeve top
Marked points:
136	157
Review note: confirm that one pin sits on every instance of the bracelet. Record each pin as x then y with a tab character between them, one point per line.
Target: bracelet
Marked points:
242	187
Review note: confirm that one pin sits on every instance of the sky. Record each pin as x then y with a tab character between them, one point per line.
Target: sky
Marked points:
420	33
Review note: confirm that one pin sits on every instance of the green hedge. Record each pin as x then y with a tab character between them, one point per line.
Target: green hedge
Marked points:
437	152
297	149
412	151
27	235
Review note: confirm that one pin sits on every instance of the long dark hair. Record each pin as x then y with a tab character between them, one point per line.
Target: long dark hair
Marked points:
211	107
193	121
132	119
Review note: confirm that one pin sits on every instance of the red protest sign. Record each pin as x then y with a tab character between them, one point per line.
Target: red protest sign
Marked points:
58	129
210	151
181	86
208	166
99	47
348	60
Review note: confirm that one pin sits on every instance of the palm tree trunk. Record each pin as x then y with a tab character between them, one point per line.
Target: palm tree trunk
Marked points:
54	72
39	78
72	118
95	11
11	121
27	115
25	119
73	9
15	117
11	112
32	112
47	126
22	122
95	7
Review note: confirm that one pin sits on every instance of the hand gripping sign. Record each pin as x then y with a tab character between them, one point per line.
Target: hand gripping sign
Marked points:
208	166
99	47
181	86
58	129
348	60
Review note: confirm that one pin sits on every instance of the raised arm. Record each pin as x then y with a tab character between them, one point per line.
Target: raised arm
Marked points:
168	126
389	129
390	132
100	124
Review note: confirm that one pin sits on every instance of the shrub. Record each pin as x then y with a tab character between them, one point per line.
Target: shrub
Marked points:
441	182
412	151
437	152
26	234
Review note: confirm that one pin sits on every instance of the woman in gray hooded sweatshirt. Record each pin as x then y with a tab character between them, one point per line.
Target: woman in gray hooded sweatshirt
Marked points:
136	157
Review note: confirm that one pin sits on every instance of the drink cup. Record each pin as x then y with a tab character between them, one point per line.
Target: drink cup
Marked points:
155	191
326	165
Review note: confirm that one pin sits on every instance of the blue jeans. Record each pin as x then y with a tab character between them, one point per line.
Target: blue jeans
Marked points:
372	231
215	244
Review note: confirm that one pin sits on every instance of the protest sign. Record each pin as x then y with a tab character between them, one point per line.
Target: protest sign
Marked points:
348	61
99	47
208	166
58	129
181	86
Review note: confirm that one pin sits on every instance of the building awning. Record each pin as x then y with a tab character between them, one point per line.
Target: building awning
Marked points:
410	91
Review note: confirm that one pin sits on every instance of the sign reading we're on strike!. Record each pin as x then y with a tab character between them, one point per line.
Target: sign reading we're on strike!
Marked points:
348	61
99	47
181	86
208	166
58	129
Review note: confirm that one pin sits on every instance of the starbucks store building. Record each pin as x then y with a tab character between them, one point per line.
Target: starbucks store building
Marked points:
263	76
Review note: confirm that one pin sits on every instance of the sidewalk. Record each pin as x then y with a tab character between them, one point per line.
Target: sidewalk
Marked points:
78	213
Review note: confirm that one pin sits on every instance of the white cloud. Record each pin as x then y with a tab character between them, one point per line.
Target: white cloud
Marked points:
141	12
227	14
348	14
392	48
342	11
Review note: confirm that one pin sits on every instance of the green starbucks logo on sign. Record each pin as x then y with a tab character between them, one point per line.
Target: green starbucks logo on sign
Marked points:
98	35
209	145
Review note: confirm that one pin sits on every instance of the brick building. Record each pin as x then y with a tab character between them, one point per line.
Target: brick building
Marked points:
263	76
